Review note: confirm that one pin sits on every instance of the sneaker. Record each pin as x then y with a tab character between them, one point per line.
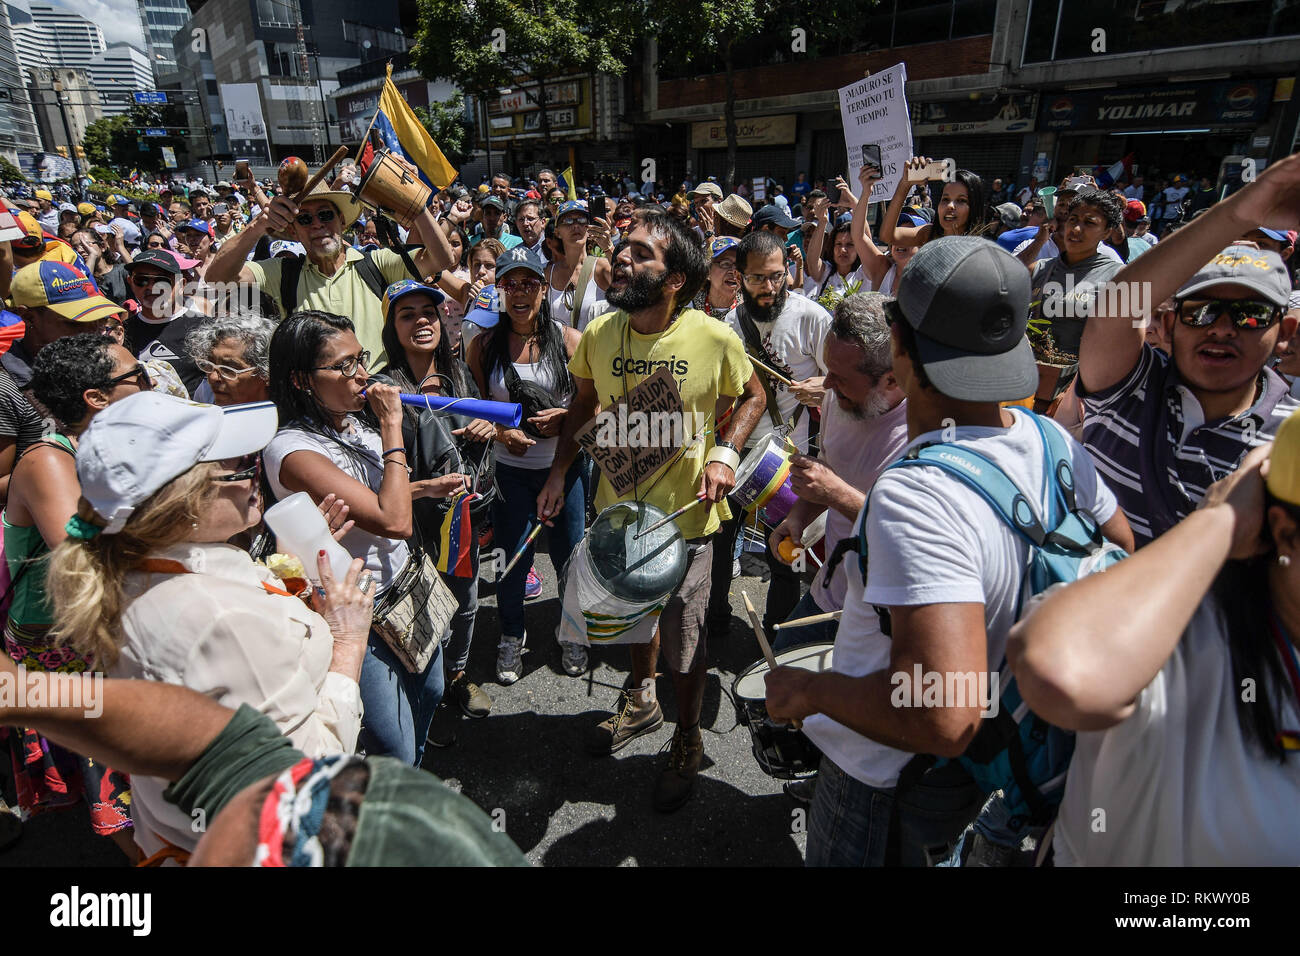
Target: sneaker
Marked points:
532	585
509	664
472	700
574	658
735	569
621	728
801	791
677	779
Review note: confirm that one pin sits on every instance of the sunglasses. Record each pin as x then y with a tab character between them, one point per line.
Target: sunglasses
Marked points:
225	371
144	281
249	466
573	221
324	215
348	367
139	373
1250	314
520	285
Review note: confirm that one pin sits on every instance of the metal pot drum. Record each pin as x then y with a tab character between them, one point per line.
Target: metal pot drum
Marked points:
637	570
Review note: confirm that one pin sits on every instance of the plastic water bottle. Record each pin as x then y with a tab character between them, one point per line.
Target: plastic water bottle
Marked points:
300	530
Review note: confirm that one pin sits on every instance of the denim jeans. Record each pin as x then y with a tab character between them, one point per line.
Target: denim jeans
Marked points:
399	705
512	513
461	631
849	821
823	633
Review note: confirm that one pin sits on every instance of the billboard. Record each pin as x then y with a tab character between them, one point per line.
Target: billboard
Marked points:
1172	106
245	126
999	113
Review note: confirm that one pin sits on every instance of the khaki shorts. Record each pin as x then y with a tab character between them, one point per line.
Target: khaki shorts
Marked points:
681	623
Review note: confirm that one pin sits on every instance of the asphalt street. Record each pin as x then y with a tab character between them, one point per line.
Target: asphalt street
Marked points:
526	763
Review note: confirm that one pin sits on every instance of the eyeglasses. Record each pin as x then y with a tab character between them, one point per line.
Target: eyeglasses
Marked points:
225	371
511	286
139	373
249	466
1250	314
726	266
324	215
573	221
775	278
148	281
348	367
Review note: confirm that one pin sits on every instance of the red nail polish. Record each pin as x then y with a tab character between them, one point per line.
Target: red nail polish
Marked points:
321	553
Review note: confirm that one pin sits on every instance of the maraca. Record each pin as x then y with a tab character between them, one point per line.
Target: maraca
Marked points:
293	175
787	550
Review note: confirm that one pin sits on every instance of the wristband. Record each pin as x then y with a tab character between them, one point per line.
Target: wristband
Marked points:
726	456
391	450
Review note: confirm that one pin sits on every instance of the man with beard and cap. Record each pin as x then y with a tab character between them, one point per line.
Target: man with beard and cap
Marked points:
941	586
655	276
787	333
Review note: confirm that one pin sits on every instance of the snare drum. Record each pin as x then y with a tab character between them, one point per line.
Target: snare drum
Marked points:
781	751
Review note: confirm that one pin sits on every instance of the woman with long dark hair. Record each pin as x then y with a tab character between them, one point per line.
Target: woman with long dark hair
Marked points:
1178	667
575	266
960	211
524	358
319	385
449	453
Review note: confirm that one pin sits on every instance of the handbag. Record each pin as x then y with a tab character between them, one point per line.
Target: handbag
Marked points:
413	615
531	396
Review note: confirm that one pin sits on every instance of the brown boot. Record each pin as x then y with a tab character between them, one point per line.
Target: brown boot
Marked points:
677	779
632	719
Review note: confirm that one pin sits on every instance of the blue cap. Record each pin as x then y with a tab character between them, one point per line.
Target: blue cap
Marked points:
198	225
520	257
572	205
403	288
1277	235
773	215
721	244
485	310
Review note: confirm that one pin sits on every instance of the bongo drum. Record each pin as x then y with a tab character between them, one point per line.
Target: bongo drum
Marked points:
781	751
615	583
763	481
391	187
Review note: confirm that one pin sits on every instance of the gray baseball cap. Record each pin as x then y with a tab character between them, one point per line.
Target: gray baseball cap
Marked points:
1260	270
967	301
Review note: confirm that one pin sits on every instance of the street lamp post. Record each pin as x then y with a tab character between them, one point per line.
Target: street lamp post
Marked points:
67	133
203	120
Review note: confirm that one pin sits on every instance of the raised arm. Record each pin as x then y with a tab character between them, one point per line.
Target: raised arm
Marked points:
892	234
1112	338
1085	653
875	263
814	265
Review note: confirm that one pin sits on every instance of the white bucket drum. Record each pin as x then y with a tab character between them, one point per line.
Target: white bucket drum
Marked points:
781	751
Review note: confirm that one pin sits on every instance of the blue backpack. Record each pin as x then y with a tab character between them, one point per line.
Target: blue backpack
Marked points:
1017	751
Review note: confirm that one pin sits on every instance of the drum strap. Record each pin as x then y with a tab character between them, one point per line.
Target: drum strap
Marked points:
755	347
366	269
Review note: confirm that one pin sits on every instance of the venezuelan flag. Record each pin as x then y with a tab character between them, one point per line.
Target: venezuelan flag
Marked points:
456	537
569	183
403	134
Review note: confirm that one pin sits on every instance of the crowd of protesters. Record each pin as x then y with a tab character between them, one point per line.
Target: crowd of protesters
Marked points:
174	366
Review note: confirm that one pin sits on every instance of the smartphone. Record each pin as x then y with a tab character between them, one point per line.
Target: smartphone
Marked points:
243	170
871	156
931	171
832	192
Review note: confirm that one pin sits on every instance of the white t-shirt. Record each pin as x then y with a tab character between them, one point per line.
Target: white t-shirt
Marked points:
542	454
384	557
1133	192
857	450
1049	251
1179	782
813	288
560	311
1174	195
793	347
933	540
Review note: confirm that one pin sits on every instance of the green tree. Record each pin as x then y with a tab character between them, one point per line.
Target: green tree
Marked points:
99	137
499	43
9	172
449	128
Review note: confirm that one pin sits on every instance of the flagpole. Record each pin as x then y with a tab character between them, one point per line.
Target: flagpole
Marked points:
364	139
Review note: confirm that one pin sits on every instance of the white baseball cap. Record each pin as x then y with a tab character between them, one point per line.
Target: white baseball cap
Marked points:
136	446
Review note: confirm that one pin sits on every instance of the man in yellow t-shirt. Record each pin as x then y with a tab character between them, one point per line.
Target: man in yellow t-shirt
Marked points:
661	266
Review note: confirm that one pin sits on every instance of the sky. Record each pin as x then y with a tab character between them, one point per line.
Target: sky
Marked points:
119	19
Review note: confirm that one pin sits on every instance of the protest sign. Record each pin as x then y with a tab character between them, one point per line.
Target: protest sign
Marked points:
634	439
874	113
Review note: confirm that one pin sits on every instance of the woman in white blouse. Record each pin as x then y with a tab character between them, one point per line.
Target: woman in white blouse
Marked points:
146	585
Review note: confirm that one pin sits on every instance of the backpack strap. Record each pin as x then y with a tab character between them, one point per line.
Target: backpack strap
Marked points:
580	289
371	276
290	273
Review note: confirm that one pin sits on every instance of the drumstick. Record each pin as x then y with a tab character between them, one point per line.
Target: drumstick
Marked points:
812	619
522	548
676	514
339	154
771	371
762	642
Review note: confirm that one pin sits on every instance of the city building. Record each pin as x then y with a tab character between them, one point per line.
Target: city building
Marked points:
269	69
54	36
160	20
18	129
80	106
117	73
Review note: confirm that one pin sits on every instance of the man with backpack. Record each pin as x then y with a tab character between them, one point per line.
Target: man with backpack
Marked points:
946	570
333	277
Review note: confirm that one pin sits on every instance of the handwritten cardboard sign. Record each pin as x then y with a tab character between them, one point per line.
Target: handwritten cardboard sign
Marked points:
634	439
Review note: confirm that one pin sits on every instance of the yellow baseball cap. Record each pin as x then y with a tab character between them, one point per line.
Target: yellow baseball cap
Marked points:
85	208
44	194
1284	462
63	290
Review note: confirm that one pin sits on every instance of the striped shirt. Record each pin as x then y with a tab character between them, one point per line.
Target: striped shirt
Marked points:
1150	440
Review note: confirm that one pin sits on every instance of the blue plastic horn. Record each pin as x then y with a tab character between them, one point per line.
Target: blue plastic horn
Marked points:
508	414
